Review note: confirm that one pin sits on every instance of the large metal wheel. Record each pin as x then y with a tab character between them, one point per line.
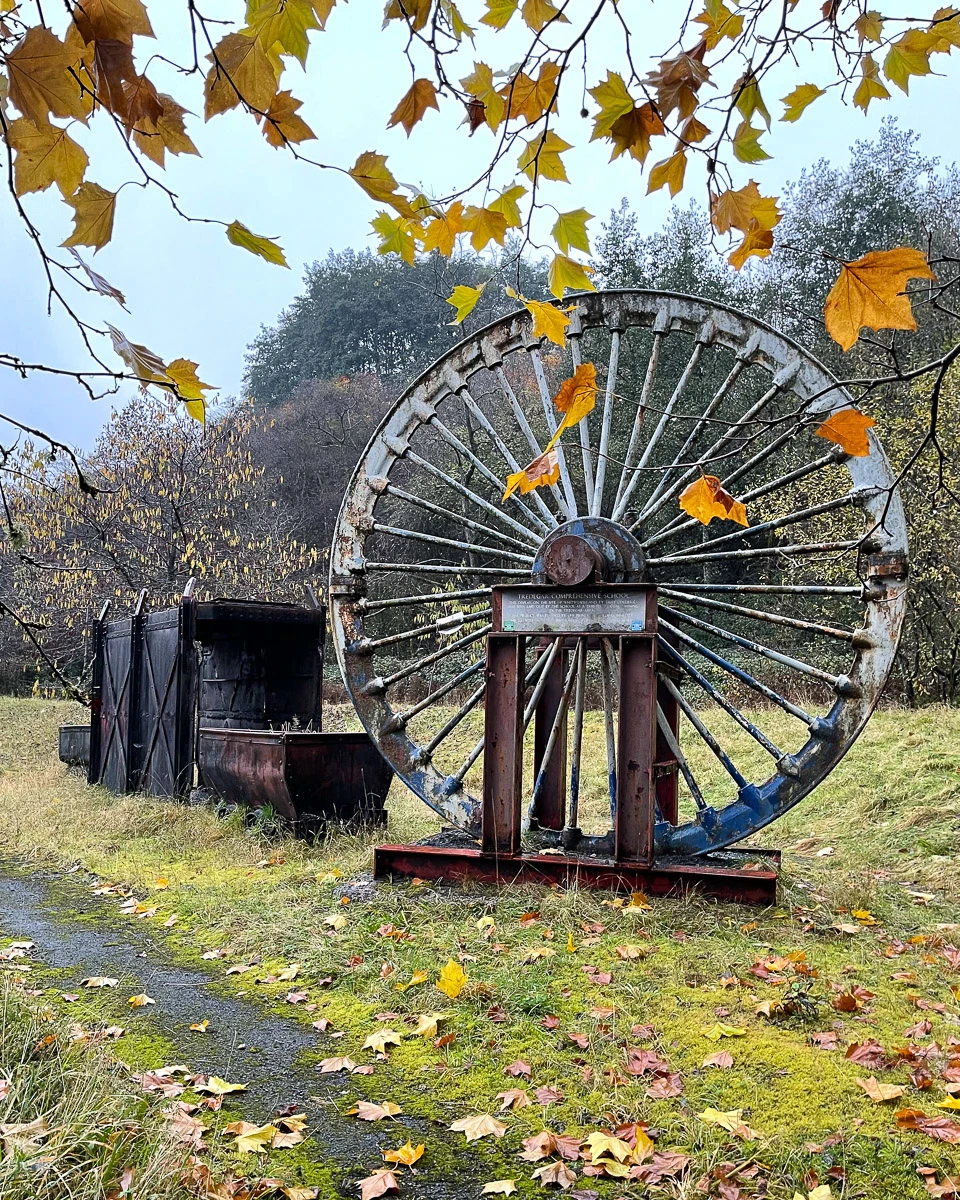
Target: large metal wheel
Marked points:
800	612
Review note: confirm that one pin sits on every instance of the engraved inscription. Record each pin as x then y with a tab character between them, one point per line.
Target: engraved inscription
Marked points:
573	612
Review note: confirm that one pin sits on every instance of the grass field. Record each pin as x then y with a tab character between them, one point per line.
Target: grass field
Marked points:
858	953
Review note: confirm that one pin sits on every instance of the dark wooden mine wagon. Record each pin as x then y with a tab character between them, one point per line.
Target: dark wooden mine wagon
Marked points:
74	745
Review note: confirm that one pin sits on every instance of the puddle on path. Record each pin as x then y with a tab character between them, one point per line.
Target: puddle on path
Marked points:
97	941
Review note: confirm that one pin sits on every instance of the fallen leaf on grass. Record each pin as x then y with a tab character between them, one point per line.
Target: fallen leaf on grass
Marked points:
731	1121
665	1087
379	1041
517	1068
557	1174
141	1000
720	1030
950	1102
406	1155
366	1111
158	1081
825	1041
251	1139
452	979
723	1059
99	981
336	921
499	1187
942	1129
416	978
200	1026
69	997
427	1024
215	1086
329	1066
548	1095
518	1098
378	1184
25	1136
605	1145
479	1126
878	1092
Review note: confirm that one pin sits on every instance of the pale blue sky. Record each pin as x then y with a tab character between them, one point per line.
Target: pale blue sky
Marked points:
193	295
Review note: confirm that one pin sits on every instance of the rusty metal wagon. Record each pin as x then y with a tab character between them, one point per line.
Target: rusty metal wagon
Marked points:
797	614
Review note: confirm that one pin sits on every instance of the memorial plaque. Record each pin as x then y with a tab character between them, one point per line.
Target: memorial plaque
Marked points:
555	610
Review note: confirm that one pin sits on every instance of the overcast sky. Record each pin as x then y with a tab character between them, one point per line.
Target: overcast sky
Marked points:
192	294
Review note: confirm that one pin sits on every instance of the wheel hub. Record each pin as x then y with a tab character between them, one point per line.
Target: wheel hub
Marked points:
589	550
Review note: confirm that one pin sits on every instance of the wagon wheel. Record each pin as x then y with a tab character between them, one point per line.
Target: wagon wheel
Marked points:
799	613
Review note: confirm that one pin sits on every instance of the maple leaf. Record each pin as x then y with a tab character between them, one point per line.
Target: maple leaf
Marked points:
499	12
870	292
282	124
746	144
413	107
757	242
41	84
499	1187
848	429
941	1129
669	172
371	172
241	73
631	132
869	26
748	98
365	1111
284	26
513	1098
575	398
543	471
719	23
531	98
183	374
93	212
480	1126
464	301
215	1086
141	1000
541	157
878	1092
46	154
484	225
480	85
870	86
538	13
705	499
720	1030
251	1139
440	232
427	1024
264	247
732	1122
452	979
723	1060
396	236
99	981
200	1026
567	274
406	1155
164	133
742	209
570	230
798	100
378	1184
615	102
99	284
112	20
909	55
556	1173
549	321
379	1041
603	1145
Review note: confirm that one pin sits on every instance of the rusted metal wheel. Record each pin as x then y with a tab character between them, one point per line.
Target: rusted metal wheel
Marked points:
799	613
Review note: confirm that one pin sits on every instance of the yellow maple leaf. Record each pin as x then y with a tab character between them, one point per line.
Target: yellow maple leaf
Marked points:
631	133
538	13
870	292
396	236
615	102
413	106
570	230
506	204
880	1093
909	55
479	1126
418	977
241	73
427	1024
499	12
215	1086
541	157
440	232
869	26
371	172
251	1139
757	242
264	247
141	1000
549	321
183	374
604	1145
719	23
166	133
464	300
115	20
93	212
848	428
530	98
746	145
705	499
380	1040
407	1155
45	154
452	979
484	225
544	471
575	398
282	124
567	274
41	81
670	172
481	86
731	1121
799	99
742	208
870	86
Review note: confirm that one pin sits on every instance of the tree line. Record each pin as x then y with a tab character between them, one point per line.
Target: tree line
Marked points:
249	502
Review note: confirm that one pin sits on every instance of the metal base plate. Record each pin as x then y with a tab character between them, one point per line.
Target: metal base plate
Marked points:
746	876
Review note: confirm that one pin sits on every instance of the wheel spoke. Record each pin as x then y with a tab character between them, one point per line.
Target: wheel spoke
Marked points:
744	358
613	365
366	605
690	713
688	776
535	448
559	720
547	402
432	539
738	673
784	589
377	686
524	530
444	625
450	514
576	759
629	478
460	715
759	552
399	720
715	694
586	454
757	614
445	569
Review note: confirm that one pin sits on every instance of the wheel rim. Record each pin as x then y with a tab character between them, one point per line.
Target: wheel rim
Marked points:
813	589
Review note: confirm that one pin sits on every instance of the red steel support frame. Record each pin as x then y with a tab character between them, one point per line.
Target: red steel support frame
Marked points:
635	742
503	745
551	811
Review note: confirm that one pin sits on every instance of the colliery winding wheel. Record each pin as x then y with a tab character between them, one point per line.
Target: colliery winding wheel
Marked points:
798	613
